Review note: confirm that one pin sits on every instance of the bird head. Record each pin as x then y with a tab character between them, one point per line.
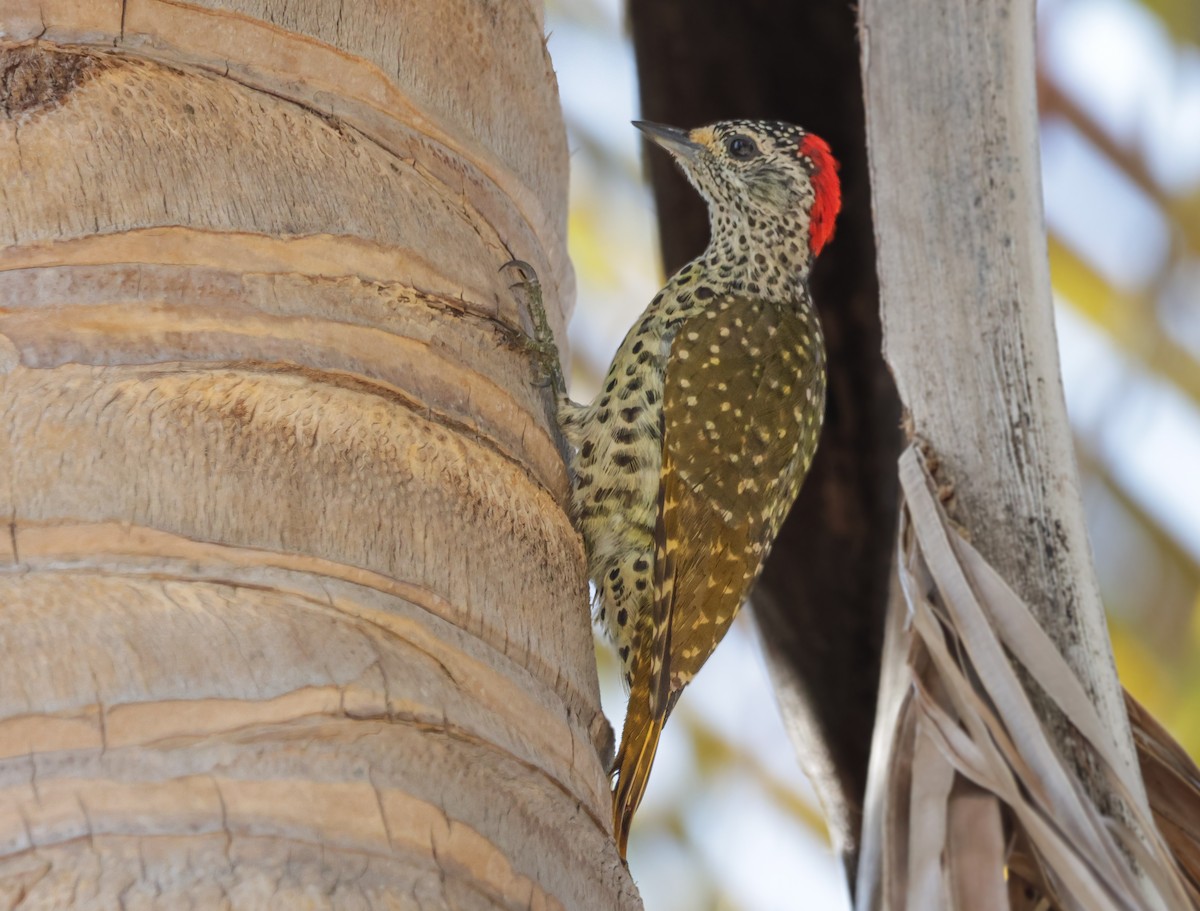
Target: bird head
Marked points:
766	179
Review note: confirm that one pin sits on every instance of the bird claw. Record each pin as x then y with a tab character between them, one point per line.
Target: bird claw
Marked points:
540	346
528	275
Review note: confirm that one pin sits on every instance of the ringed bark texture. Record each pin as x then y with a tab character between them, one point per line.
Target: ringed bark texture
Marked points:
282	585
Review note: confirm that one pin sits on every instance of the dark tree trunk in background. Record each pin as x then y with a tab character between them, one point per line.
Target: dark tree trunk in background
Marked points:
820	603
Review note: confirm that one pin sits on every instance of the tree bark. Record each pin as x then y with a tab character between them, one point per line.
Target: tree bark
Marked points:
968	322
281	589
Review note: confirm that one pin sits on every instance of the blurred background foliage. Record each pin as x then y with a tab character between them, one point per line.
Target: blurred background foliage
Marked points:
729	822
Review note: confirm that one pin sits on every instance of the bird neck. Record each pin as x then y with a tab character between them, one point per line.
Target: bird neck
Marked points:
767	257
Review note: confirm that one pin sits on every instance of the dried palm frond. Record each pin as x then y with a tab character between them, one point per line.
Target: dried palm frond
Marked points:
1173	787
969	805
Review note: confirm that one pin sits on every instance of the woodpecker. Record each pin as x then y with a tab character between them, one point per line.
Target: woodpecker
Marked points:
689	459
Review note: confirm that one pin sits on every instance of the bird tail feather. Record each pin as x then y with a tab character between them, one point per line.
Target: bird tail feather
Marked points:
639	743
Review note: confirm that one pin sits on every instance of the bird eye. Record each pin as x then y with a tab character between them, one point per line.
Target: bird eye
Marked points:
741	147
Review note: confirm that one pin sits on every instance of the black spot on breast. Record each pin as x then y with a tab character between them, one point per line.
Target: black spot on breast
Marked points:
651	396
625	657
603	417
704	292
640	585
587	449
614	573
630	414
641	565
622	617
638	346
626	461
625	435
612	384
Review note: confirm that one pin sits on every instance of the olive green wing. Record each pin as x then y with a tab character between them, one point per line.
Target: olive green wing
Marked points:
742	404
742	408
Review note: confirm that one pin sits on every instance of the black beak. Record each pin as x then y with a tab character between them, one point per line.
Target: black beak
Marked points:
676	141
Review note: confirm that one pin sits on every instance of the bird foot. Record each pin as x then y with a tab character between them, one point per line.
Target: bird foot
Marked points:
540	346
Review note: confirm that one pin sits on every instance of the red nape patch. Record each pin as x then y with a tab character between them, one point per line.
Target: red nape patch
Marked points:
827	188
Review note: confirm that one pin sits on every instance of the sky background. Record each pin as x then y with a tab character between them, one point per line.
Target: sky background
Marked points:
729	821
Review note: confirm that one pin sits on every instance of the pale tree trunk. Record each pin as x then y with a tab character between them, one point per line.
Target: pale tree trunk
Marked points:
290	614
965	292
969	334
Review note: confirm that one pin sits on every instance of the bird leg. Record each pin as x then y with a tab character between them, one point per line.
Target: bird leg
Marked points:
540	345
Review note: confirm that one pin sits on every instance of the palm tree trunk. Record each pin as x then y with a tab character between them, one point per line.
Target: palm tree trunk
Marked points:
282	588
